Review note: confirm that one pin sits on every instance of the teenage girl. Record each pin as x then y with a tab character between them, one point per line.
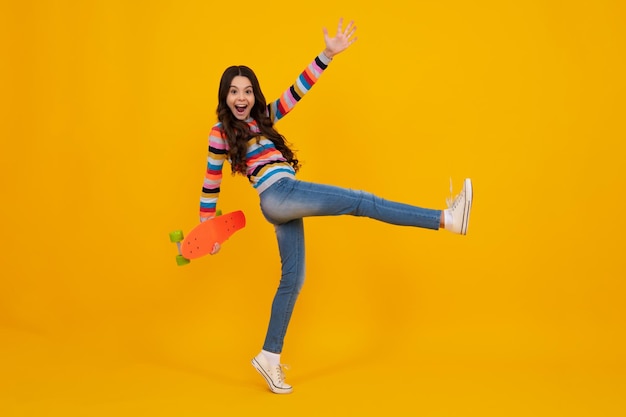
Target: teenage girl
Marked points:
245	136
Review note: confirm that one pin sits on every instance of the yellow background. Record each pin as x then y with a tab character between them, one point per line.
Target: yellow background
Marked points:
106	108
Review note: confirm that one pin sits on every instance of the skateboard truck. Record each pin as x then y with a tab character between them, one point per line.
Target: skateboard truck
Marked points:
177	237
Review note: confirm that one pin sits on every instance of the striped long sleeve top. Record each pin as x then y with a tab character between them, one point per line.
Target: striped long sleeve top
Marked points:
264	163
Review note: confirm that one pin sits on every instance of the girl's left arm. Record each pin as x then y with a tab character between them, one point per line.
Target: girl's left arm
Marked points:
334	45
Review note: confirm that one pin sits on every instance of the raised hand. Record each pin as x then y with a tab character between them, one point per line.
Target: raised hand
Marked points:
341	41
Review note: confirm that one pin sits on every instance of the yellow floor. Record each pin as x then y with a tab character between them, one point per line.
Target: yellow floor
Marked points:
41	377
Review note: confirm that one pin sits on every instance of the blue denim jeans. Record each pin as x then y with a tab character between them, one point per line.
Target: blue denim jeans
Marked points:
285	203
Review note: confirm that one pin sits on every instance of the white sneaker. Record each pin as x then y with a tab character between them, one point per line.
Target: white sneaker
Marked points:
273	375
459	209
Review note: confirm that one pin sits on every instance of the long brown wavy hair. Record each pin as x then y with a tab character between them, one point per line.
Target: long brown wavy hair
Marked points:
238	132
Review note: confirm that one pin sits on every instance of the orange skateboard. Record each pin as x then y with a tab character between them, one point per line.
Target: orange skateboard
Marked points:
202	238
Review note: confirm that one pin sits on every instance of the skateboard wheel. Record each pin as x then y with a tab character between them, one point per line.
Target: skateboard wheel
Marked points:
181	260
176	236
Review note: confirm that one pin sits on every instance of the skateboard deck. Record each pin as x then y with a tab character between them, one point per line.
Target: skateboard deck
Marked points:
202	238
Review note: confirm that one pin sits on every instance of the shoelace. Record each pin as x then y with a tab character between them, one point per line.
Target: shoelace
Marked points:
281	368
451	202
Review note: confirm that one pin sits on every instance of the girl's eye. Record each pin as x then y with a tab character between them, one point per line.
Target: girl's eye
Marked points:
233	91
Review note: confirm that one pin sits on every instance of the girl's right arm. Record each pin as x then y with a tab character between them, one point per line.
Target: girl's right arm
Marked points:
218	151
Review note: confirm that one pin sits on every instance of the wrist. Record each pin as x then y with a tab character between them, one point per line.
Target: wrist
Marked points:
328	53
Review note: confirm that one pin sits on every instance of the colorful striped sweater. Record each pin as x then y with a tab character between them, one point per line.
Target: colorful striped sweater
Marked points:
264	163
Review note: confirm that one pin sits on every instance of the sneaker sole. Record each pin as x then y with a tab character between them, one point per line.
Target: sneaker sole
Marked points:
469	196
270	384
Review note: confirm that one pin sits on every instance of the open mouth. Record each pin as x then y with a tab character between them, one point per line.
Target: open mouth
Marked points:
240	109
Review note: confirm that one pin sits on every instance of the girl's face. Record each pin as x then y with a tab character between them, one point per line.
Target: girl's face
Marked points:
240	98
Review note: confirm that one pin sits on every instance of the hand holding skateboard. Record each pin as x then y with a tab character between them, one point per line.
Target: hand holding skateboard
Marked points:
207	237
